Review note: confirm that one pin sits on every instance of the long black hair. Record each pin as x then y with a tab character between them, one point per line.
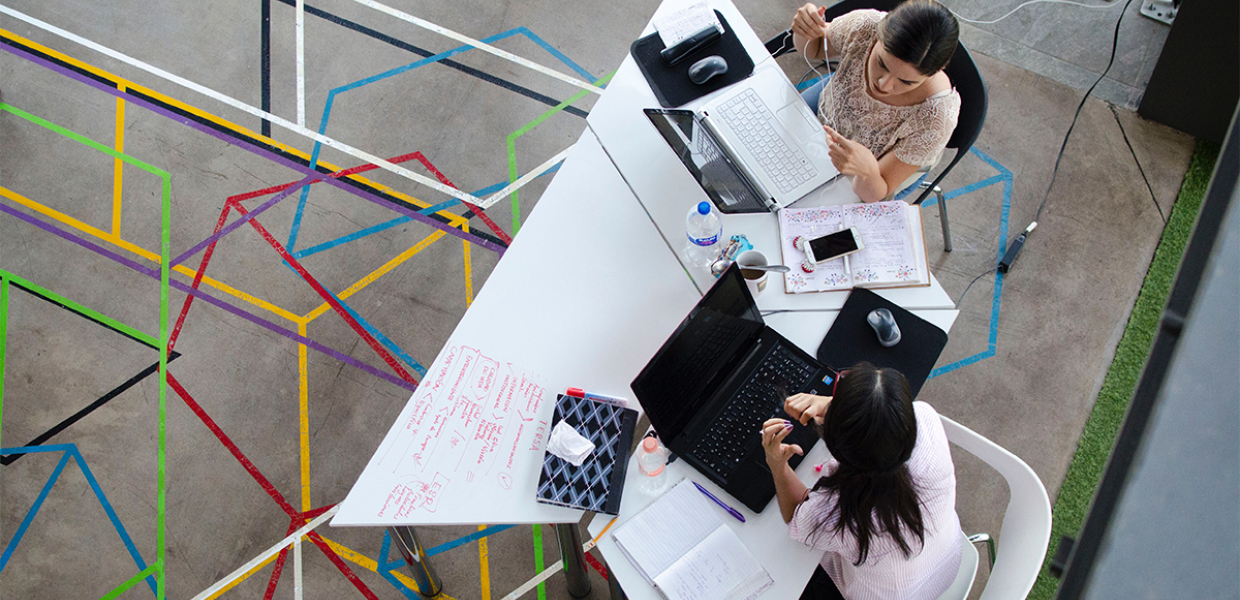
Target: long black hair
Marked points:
922	33
870	428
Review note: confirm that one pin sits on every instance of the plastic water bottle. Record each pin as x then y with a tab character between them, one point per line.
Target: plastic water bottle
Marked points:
705	231
651	460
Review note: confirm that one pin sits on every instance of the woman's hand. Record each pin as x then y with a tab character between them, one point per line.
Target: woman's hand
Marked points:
777	453
804	407
809	22
850	157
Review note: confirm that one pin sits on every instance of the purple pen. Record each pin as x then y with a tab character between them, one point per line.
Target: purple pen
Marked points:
731	511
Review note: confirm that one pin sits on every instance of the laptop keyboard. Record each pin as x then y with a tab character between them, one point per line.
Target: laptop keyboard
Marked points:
749	117
760	398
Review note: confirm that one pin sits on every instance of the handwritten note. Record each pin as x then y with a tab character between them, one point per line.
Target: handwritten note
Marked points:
466	428
891	256
678	26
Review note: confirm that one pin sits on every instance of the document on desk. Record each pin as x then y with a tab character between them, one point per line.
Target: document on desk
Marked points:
894	254
457	443
678	26
683	547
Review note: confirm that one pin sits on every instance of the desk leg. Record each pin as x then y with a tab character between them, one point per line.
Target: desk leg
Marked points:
574	562
406	540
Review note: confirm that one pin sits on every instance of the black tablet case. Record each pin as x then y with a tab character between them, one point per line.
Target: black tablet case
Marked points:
851	340
598	483
671	85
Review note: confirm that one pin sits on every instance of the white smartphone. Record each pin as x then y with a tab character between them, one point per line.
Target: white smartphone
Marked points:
835	245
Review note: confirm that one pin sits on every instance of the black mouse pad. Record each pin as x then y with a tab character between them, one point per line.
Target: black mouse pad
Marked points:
851	340
671	85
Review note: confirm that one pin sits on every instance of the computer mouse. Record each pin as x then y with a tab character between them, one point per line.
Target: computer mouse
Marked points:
884	324
703	70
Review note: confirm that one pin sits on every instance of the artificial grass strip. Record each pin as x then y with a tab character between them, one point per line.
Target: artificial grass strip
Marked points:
1084	474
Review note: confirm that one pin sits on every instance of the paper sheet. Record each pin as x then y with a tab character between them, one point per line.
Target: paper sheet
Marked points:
891	256
676	27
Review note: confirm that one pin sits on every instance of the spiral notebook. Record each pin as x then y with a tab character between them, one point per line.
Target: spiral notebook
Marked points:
683	547
894	254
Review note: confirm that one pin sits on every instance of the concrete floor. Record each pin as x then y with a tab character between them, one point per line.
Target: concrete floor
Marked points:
1036	348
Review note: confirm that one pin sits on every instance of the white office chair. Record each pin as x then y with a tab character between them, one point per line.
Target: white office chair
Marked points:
1026	532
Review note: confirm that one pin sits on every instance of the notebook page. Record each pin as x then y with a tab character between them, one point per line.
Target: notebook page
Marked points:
721	567
666	530
811	223
889	254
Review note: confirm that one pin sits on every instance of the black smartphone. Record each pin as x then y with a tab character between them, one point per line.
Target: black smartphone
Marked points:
835	245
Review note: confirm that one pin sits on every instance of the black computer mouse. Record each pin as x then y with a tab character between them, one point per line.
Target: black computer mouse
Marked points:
703	70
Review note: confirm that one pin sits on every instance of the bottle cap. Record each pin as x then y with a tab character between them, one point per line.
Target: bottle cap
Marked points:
650	444
703	208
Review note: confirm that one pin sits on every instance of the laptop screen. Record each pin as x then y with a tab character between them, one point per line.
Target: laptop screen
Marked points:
699	355
702	154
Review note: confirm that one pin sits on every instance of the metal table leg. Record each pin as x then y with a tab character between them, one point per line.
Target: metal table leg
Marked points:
574	561
406	540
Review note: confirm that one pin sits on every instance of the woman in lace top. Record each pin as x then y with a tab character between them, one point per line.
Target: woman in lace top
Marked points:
889	108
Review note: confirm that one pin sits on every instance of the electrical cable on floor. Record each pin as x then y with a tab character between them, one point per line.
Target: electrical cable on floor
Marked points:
1139	168
966	288
1013	11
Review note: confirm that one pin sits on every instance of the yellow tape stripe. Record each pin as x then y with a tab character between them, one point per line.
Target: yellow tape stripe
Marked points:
303	402
118	167
243	577
484	569
469	271
370	565
125	84
140	251
380	272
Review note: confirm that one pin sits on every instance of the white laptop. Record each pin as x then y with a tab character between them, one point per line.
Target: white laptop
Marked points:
754	146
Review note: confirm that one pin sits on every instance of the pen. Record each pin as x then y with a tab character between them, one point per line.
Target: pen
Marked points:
731	511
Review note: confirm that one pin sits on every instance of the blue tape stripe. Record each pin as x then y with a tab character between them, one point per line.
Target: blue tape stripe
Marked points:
430	210
116	521
992	344
556	53
357	235
331	96
38	503
383	339
36	449
467	539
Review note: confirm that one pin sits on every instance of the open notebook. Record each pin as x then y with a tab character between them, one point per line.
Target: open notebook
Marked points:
894	255
683	547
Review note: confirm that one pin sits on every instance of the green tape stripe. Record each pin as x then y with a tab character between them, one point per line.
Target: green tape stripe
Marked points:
538	561
4	334
85	140
512	146
80	309
165	254
124	587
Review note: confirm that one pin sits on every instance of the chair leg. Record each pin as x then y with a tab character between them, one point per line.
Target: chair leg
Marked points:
947	232
990	544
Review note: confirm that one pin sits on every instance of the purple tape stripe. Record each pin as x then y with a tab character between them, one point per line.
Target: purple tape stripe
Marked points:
154	274
227	229
274	157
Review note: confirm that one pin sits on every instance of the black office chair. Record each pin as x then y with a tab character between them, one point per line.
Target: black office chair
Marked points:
974	101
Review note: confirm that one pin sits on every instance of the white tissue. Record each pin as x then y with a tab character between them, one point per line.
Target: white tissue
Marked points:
569	445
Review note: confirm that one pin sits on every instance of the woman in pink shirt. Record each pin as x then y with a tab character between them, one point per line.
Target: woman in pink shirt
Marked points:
884	510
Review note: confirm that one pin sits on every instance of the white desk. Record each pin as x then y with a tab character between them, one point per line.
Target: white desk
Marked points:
667	190
578	308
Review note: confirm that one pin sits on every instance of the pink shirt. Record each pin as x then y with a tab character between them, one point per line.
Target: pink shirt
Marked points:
887	573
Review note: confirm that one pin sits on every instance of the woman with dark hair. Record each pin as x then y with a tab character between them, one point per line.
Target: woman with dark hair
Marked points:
884	509
889	109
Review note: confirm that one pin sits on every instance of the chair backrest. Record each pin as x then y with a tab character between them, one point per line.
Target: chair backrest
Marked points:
960	587
974	101
1026	529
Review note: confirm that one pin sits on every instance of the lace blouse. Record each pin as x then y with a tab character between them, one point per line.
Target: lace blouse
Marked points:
916	134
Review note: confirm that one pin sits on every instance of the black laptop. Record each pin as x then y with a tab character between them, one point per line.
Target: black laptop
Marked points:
714	382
